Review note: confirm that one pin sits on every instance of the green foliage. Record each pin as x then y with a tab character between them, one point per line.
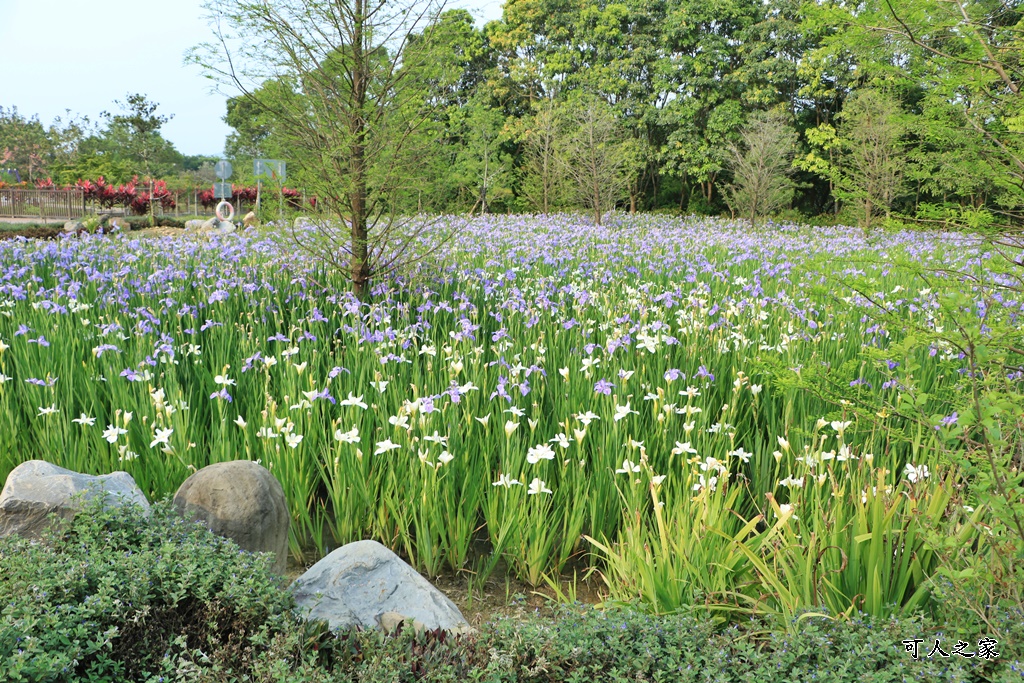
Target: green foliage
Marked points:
115	595
975	540
864	158
582	644
762	168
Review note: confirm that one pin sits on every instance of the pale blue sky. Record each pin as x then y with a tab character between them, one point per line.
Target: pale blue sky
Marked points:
82	55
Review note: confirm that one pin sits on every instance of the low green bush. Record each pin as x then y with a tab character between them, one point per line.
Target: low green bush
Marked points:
140	222
116	596
624	645
30	226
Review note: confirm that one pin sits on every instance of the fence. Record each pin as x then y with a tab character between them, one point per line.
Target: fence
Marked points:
42	204
68	204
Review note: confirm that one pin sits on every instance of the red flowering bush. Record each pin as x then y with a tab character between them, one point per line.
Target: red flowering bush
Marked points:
140	202
241	194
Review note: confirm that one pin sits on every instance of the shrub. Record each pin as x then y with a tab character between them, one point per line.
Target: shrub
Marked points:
625	645
140	222
114	596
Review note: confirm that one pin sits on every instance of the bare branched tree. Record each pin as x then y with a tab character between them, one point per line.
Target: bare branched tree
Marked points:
762	167
871	134
542	183
593	156
355	111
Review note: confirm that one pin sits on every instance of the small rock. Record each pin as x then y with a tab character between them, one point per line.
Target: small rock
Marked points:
209	224
118	224
364	584
74	226
389	622
194	224
224	228
242	501
36	488
250	220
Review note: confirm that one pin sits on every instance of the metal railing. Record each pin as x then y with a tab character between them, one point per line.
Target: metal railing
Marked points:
44	204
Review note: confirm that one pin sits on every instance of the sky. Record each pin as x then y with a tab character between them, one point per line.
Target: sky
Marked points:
69	54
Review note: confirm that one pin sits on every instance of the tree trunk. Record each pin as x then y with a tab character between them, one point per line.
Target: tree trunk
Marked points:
360	273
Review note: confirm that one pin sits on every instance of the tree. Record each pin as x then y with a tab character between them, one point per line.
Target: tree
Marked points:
481	165
355	112
593	155
254	131
542	181
871	134
136	133
23	144
703	42
137	130
970	58
762	167
865	157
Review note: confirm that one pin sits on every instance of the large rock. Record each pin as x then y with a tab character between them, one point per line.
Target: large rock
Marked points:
74	226
194	224
242	501
36	489
365	584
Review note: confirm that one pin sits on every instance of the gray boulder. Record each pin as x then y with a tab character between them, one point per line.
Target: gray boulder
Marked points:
73	226
364	584
242	501
194	224
36	489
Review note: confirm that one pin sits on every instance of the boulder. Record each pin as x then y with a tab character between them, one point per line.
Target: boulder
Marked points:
74	226
364	584
224	228
242	501
35	489
194	224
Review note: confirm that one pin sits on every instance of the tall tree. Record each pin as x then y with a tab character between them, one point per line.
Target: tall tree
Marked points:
482	165
137	130
866	156
356	115
542	177
594	155
762	167
24	144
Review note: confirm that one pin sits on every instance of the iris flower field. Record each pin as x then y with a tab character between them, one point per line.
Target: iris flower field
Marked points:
540	396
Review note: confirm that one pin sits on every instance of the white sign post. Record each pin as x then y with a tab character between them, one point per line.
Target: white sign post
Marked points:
225	211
